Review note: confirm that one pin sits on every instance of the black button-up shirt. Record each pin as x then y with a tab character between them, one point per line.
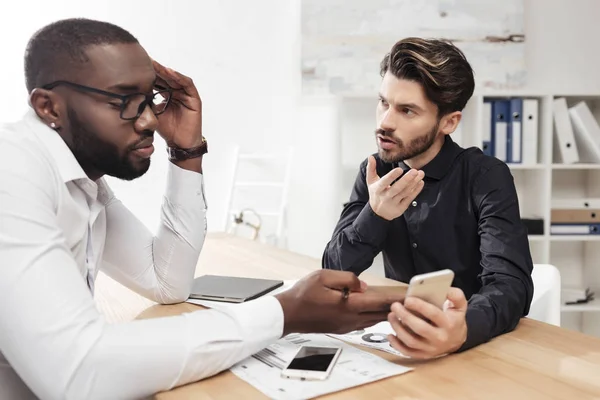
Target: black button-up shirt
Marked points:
466	219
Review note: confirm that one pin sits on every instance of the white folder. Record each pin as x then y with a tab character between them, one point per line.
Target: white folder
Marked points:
530	131
564	132
587	132
500	111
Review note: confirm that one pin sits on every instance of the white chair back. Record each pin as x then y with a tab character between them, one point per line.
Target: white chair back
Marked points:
546	303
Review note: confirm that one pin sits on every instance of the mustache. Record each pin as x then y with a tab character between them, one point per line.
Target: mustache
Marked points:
386	134
143	137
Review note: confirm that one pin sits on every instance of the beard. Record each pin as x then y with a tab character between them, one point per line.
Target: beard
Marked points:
95	154
406	151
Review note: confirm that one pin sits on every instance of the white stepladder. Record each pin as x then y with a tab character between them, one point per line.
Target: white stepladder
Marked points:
251	211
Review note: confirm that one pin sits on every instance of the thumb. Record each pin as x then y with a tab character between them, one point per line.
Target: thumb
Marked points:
457	298
372	176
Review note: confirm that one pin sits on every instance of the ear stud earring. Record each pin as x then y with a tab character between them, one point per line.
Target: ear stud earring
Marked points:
52	125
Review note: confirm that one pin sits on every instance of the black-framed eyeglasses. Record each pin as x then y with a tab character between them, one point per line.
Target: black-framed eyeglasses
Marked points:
132	105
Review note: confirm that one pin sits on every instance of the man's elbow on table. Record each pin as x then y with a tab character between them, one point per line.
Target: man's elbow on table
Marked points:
168	296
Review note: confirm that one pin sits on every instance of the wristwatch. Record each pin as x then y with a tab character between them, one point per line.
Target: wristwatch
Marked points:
179	154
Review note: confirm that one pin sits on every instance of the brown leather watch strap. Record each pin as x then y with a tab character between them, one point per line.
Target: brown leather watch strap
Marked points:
179	154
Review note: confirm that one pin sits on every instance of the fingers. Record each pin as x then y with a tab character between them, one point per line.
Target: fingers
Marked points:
458	299
412	194
424	309
408	352
363	286
176	80
396	291
389	182
166	75
419	325
339	280
161	83
407	185
407	340
389	178
373	301
372	176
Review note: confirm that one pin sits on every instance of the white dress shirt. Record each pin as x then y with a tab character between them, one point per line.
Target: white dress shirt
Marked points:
57	230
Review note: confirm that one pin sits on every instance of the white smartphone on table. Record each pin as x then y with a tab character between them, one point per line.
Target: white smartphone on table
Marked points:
312	363
431	287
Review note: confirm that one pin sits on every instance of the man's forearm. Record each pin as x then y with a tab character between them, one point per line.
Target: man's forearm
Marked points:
495	310
356	241
159	267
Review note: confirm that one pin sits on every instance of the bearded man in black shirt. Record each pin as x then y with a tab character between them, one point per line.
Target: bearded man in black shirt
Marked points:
428	204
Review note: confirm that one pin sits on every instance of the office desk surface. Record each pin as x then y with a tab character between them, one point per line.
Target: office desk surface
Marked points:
536	361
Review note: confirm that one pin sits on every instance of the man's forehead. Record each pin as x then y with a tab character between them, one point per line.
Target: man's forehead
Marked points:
111	65
403	91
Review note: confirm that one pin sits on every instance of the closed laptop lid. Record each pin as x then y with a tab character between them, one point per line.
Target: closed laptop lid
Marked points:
231	288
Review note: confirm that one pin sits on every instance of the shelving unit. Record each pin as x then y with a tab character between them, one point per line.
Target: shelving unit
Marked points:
576	256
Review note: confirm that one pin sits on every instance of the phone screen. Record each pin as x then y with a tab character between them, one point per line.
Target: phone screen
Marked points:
313	358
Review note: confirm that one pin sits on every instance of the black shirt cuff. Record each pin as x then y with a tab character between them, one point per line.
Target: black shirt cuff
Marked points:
477	332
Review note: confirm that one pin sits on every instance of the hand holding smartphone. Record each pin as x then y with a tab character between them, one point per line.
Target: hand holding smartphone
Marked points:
447	329
431	287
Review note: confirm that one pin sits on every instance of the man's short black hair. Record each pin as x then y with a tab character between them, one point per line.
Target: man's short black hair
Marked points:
54	50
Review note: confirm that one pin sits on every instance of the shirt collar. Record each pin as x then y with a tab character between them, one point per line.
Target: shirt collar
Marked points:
66	162
441	163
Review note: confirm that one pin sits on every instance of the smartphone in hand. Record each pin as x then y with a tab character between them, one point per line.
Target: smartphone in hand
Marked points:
431	287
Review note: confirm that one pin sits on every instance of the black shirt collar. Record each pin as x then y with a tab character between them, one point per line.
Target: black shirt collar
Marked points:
441	163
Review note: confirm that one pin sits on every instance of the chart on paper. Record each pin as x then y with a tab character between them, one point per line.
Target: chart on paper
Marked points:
374	337
354	367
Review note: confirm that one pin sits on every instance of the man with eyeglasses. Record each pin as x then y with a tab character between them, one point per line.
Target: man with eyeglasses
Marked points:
96	100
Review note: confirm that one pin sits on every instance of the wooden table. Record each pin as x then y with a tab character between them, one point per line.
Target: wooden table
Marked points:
536	361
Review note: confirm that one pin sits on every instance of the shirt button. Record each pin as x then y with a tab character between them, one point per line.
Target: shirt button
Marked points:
414	245
414	203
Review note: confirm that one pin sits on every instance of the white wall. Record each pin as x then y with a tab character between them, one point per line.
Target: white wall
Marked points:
244	58
562	45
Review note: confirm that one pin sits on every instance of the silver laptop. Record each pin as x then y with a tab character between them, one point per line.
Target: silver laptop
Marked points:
231	289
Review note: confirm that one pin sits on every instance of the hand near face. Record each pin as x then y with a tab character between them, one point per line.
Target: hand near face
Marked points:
424	331
181	123
390	199
316	304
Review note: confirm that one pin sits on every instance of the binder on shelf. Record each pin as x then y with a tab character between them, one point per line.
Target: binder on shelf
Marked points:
530	131
576	204
575	216
574	229
487	129
587	132
514	132
500	112
564	132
